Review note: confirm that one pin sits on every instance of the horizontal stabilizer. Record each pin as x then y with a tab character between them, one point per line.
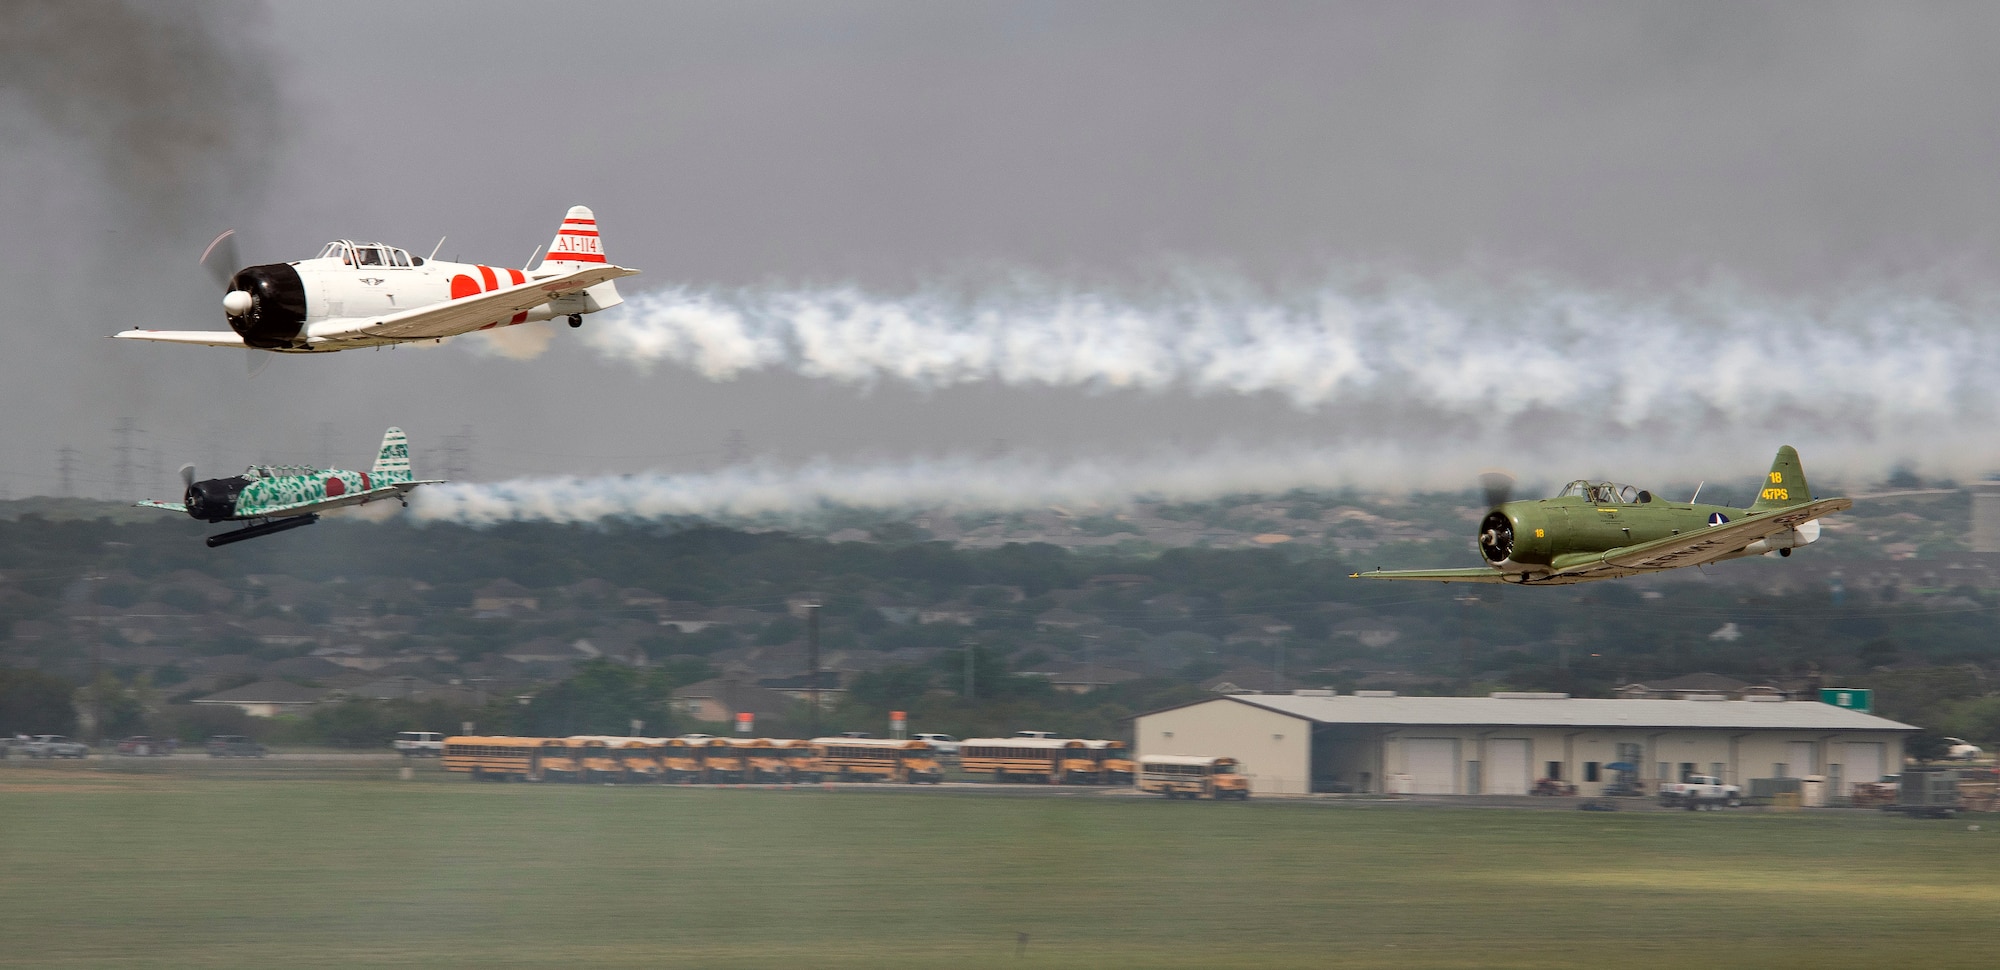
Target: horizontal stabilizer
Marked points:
202	338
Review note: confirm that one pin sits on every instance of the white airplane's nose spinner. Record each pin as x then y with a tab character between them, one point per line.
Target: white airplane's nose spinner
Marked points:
237	303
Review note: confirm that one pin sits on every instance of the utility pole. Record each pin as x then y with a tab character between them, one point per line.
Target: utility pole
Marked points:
812	662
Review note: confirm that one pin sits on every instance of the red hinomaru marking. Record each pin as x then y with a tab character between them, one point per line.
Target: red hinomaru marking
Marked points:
335	488
462	286
521	317
492	282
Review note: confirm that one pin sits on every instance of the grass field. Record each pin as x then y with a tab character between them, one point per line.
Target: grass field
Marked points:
159	868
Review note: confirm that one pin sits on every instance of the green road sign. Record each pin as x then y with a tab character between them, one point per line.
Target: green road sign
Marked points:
1851	698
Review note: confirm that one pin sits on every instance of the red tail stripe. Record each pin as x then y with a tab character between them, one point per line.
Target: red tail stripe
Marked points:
592	233
576	257
492	282
579	222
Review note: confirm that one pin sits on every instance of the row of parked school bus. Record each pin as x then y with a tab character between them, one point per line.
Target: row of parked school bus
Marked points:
1055	761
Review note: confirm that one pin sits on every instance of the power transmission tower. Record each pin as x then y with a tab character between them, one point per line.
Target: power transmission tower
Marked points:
121	468
66	470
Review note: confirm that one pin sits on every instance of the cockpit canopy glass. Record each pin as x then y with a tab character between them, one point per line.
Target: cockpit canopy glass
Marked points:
1605	493
356	254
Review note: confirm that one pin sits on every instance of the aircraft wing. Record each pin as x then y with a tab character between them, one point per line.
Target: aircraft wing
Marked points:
464	315
205	338
168	506
1475	575
1697	549
397	491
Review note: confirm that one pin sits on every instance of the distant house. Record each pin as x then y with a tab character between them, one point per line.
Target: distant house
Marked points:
800	687
268	698
504	597
720	699
1249	680
959	613
1084	678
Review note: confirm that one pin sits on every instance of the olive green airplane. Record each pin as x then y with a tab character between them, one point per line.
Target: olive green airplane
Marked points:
1604	530
278	498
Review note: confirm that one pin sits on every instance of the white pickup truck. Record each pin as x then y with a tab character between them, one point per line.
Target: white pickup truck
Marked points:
1700	792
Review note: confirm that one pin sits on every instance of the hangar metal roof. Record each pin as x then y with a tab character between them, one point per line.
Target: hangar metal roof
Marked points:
1571	712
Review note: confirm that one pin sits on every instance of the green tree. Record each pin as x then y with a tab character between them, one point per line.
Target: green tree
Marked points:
32	702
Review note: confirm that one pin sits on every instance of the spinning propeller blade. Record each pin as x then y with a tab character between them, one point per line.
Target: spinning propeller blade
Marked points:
1498	486
187	476
220	258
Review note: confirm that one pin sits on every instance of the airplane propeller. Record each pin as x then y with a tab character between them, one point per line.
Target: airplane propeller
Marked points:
1496	532
187	476
220	258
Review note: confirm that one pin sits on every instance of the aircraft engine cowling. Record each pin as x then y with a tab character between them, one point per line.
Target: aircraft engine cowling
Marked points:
215	499
276	317
1514	537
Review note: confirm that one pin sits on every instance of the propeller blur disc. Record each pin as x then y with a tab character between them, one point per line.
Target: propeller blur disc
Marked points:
220	258
1498	487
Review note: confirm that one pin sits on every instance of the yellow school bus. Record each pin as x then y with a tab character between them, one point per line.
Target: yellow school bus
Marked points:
1048	760
491	758
1192	776
1114	762
800	758
762	759
557	759
682	759
642	758
877	759
722	761
606	757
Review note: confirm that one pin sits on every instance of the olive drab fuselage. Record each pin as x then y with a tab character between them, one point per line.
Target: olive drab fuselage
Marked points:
1604	517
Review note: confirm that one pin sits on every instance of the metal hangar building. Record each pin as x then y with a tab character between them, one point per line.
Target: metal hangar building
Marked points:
1376	741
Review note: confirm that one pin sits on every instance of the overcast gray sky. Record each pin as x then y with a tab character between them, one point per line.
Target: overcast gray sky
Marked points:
1800	152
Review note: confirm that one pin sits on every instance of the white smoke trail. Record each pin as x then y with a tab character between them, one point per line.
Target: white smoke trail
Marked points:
775	494
1875	362
958	484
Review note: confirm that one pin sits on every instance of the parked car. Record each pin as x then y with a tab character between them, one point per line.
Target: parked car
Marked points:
141	746
419	744
234	746
940	743
856	734
1035	734
54	746
1961	750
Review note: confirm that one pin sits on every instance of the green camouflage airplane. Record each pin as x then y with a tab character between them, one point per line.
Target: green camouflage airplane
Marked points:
281	497
1604	530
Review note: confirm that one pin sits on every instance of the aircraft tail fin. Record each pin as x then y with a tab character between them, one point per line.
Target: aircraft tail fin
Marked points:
1785	485
392	463
577	245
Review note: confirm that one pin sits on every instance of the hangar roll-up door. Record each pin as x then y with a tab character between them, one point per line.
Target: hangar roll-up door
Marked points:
1507	766
1864	762
1432	764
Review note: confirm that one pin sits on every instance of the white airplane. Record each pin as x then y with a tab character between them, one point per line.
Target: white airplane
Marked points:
367	294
